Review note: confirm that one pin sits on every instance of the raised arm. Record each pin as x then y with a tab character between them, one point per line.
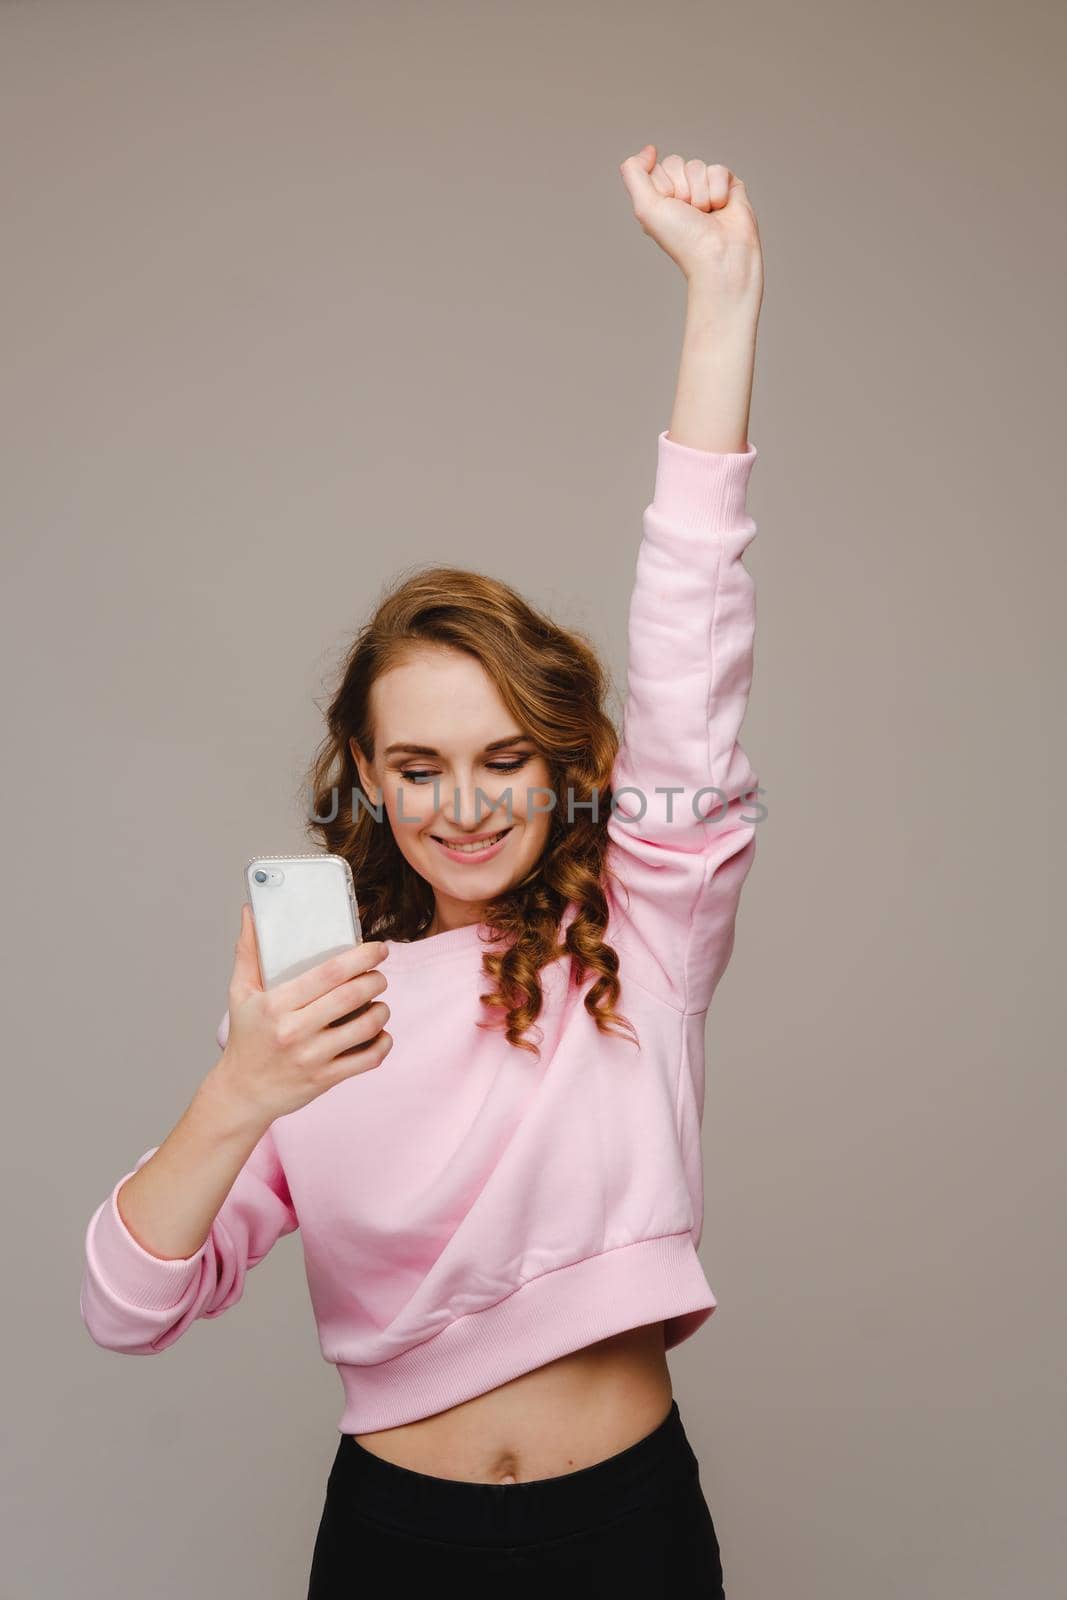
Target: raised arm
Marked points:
685	801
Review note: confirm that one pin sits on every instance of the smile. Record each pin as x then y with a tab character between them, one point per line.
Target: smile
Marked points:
479	850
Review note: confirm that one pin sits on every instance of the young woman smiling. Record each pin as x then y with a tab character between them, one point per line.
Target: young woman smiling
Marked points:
500	1212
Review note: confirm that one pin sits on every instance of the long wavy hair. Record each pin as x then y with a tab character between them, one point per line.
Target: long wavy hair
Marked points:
553	684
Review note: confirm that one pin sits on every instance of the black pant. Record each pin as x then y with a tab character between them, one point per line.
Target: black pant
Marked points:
634	1524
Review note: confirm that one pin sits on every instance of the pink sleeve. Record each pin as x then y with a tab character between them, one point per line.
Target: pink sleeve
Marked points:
691	634
139	1303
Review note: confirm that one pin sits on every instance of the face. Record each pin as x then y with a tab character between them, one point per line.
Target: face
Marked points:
441	734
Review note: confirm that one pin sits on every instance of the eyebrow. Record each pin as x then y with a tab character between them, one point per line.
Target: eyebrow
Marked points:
428	749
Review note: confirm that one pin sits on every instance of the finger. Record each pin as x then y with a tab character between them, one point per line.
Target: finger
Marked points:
738	194
719	180
347	998
697	175
674	167
635	175
361	1036
661	182
246	974
319	980
362	1057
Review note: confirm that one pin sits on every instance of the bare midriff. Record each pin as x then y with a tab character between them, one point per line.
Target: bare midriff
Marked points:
570	1413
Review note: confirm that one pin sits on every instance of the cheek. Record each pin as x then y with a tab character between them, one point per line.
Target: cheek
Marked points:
540	819
408	807
537	824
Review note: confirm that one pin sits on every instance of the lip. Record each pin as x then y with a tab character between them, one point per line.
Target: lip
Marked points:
471	858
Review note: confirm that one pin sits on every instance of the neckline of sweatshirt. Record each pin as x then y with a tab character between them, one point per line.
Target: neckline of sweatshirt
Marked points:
408	953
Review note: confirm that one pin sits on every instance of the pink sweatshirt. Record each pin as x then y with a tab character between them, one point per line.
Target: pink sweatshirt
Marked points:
468	1212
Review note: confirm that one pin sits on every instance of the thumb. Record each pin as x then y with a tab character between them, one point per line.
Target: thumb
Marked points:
246	978
635	175
737	195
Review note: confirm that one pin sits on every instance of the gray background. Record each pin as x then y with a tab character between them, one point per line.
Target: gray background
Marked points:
295	294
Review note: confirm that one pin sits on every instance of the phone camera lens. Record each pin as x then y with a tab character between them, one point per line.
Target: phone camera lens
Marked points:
259	875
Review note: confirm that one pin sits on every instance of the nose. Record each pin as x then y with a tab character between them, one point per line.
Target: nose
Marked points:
471	805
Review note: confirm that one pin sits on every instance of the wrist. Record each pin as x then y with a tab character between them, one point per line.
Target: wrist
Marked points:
222	1108
733	316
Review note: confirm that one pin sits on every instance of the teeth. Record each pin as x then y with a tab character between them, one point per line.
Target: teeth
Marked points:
475	849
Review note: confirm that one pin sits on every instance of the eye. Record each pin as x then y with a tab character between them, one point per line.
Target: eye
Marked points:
425	775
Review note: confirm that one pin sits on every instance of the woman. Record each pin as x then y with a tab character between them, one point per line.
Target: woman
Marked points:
500	1219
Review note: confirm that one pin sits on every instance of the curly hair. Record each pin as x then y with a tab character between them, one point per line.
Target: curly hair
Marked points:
553	683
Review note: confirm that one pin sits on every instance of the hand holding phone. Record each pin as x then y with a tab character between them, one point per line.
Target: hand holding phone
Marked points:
302	1009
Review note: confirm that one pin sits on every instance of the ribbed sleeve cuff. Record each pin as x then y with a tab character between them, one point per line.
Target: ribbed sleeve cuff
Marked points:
128	1270
701	488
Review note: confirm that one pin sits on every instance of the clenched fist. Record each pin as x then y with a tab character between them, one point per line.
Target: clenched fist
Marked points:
701	216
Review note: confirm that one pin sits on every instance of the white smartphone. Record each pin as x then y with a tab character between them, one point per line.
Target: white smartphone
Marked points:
304	909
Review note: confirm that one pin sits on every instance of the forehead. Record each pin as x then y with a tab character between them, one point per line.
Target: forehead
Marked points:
436	697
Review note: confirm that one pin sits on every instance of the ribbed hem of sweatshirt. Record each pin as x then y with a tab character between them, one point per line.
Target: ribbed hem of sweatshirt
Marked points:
548	1317
129	1271
701	488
